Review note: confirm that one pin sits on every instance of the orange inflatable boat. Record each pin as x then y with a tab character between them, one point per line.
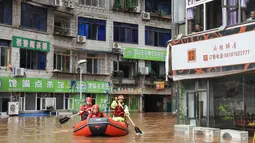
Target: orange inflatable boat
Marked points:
100	127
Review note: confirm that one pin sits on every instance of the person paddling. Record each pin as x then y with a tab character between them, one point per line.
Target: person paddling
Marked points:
119	112
85	109
95	113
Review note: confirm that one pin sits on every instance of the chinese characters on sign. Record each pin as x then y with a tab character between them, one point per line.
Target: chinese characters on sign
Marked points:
26	43
225	51
51	85
192	55
144	54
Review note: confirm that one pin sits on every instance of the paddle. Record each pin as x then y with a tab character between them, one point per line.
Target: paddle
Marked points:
65	119
137	130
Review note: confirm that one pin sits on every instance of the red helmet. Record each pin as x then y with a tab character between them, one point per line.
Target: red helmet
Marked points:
121	97
89	99
95	107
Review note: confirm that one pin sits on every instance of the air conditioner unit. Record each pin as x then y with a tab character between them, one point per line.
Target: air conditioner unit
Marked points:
234	136
146	16
144	70
183	130
70	4
13	108
18	71
58	2
81	39
116	46
137	9
206	134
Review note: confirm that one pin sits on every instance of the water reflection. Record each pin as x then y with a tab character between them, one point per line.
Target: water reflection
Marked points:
157	128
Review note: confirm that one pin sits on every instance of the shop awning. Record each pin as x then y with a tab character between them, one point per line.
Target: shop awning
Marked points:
208	75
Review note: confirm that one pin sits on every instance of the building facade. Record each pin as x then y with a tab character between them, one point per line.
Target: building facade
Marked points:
213	66
43	40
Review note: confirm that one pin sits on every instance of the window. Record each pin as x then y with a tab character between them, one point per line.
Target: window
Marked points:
92	63
126	33
158	6
4	56
248	10
195	15
4	52
6	12
61	26
62	61
156	36
157	67
33	17
126	4
95	3
93	29
30	59
127	68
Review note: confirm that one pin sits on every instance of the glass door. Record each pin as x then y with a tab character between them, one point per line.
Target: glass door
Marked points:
196	107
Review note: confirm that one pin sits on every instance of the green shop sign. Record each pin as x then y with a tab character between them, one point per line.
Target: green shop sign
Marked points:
31	44
51	85
144	54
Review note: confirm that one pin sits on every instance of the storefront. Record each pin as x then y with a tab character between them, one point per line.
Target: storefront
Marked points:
34	94
151	64
215	78
157	99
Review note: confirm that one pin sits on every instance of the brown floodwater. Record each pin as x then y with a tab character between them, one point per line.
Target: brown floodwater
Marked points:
157	128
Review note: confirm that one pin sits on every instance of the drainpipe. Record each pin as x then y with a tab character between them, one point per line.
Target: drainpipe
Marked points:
177	102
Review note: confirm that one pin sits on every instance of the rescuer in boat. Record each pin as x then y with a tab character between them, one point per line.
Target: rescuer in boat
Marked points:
119	112
95	113
85	109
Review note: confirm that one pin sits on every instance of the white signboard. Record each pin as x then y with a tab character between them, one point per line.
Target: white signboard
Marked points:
229	50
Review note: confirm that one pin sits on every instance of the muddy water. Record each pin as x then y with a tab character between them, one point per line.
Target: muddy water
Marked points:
157	128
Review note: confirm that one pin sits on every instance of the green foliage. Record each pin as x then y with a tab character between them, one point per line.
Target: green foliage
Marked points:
152	76
137	76
225	110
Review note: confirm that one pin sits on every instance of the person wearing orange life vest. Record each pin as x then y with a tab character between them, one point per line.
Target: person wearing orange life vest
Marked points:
95	113
119	112
85	109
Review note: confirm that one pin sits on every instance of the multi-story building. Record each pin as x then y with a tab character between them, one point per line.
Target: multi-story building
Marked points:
212	63
123	41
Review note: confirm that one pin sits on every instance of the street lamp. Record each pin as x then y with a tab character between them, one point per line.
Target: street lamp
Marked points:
80	62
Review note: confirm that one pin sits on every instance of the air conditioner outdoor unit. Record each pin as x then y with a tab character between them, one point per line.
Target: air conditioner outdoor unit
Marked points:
183	130
70	4
13	108
144	70
81	39
206	134
234	136
137	9
116	46
18	71
58	2
146	16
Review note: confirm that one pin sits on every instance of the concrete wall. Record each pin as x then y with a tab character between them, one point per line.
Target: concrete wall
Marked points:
70	42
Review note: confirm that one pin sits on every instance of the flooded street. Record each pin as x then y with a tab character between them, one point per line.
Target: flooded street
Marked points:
48	129
157	128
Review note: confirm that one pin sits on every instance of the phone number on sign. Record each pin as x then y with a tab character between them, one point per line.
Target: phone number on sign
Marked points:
226	55
237	53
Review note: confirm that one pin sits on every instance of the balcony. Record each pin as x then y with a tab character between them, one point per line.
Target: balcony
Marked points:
124	81
159	8
129	6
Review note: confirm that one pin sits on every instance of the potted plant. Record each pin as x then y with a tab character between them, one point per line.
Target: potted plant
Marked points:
162	77
137	76
118	75
152	76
